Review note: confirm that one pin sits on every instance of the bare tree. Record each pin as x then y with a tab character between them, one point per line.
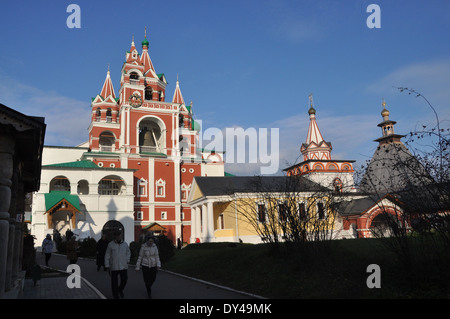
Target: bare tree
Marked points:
288	209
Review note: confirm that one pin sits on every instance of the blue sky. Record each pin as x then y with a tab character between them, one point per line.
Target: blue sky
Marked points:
247	63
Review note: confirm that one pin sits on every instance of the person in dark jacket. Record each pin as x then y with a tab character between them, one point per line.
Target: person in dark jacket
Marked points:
72	247
102	244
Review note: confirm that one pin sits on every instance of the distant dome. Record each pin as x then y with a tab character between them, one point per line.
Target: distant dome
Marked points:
196	126
145	42
311	110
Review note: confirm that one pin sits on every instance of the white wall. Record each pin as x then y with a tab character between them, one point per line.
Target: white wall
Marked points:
59	154
96	209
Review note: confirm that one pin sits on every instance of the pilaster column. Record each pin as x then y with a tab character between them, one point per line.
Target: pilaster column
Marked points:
210	221
193	224
198	226
7	144
204	223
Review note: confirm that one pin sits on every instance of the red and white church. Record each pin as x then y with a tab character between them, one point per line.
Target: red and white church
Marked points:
135	171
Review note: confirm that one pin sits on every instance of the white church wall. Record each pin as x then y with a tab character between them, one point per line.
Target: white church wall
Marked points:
61	154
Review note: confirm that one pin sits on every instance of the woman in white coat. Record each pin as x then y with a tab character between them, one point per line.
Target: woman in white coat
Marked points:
149	260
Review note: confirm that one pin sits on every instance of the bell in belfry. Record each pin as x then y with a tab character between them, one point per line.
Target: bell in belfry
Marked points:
148	141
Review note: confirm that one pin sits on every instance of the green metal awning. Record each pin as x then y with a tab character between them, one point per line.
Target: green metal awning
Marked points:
55	197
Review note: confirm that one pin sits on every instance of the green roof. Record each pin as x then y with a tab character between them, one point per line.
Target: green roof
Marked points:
77	164
54	197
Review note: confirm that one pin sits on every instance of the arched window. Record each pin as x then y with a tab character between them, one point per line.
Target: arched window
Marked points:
111	185
332	167
134	78
160	188
337	184
60	183
142	187
107	142
98	115
318	167
83	187
346	167
108	115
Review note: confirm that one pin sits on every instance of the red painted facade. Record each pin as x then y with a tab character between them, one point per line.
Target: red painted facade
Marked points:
140	130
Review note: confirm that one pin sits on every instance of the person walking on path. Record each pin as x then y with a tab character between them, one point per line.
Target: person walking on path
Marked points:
47	248
117	257
150	262
102	244
72	247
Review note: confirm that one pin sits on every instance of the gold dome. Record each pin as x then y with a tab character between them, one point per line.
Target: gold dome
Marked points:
384	112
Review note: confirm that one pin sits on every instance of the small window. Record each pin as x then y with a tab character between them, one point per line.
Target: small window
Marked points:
160	188
163	215
108	115
185	191
337	184
283	211
302	212
320	211
134	76
148	93
98	115
142	188
83	187
261	213
139	215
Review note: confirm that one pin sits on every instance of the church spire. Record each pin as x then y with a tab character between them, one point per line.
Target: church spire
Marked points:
315	147
314	134
107	88
177	96
145	58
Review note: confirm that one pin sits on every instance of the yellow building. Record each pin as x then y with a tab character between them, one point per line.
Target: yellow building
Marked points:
248	209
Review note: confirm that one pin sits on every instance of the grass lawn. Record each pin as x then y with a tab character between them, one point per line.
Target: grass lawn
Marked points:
336	269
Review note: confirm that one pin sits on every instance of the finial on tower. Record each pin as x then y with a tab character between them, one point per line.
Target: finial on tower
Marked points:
384	112
145	41
311	108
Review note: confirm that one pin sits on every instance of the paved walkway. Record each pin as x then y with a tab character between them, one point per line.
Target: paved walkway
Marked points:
97	285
